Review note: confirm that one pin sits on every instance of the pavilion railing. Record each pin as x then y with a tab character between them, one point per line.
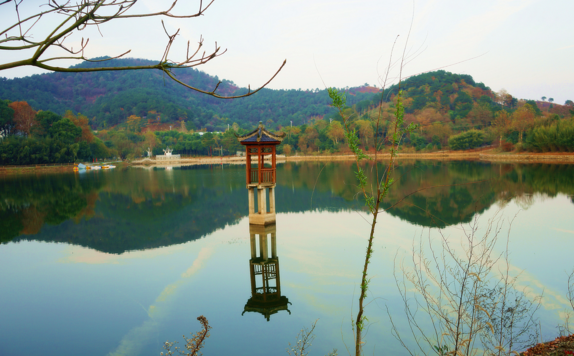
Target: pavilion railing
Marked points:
254	176
267	176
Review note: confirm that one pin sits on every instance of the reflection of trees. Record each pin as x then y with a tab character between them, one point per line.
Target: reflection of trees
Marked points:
460	188
134	209
27	203
456	191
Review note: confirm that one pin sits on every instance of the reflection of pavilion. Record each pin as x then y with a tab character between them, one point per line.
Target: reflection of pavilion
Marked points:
266	295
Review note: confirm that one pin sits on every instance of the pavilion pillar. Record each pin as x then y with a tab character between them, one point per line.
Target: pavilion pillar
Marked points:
272	200
251	197
253	246
263	249
277	277
262	200
253	282
273	245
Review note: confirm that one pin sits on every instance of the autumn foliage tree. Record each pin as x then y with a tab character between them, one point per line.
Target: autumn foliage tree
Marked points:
335	132
24	116
522	120
83	123
134	122
480	115
365	130
307	139
501	124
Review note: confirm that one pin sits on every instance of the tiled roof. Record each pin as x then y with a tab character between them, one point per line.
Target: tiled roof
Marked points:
261	135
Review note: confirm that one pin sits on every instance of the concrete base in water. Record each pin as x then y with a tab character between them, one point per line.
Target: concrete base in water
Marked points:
262	219
264	215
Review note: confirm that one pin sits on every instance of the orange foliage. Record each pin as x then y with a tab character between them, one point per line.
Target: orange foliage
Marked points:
23	116
368	89
523	119
480	115
427	116
82	122
32	220
453	97
89	211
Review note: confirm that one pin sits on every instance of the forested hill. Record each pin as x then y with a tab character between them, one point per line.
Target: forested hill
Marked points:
108	98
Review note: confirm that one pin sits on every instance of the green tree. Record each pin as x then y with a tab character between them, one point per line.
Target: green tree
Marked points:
65	131
7	123
466	140
230	143
44	122
207	140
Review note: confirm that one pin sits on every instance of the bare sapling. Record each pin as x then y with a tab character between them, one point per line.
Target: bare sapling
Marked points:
460	298
373	191
192	345
566	329
571	289
304	342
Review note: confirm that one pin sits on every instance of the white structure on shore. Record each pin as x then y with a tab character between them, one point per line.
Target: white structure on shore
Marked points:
167	156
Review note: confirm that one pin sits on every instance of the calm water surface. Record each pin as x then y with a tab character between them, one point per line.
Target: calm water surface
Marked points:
116	262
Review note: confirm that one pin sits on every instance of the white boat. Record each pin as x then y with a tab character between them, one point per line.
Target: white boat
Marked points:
95	167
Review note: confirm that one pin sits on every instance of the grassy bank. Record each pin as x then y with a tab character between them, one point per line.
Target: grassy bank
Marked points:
43	168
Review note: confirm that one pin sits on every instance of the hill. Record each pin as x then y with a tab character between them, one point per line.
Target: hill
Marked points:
137	110
109	98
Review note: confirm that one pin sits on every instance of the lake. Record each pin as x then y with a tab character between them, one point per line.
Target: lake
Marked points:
117	262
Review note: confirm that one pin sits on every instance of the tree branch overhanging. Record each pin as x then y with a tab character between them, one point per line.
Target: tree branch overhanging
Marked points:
76	17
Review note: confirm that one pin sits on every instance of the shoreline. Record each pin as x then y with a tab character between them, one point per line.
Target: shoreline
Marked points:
483	155
565	158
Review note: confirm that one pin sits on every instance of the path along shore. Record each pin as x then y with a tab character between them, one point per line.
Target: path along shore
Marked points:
487	156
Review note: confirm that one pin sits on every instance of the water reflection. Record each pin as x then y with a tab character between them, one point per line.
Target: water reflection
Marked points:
266	297
131	209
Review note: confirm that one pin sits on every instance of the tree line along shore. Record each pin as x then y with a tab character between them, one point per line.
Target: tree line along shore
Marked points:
453	114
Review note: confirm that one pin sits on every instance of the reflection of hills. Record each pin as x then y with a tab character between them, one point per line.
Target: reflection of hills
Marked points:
134	209
139	209
456	191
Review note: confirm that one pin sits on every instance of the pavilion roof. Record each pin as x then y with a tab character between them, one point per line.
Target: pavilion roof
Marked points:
261	135
268	308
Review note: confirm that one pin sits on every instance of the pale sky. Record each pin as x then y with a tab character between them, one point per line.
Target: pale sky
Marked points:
523	46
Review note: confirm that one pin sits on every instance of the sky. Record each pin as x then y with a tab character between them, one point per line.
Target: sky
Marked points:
523	46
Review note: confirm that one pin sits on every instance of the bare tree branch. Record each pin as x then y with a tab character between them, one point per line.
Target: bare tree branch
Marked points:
78	16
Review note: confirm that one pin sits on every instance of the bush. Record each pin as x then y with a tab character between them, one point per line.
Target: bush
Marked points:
557	137
506	146
466	140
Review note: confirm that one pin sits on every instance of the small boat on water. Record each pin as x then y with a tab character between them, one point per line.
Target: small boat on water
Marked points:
109	166
78	167
95	167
